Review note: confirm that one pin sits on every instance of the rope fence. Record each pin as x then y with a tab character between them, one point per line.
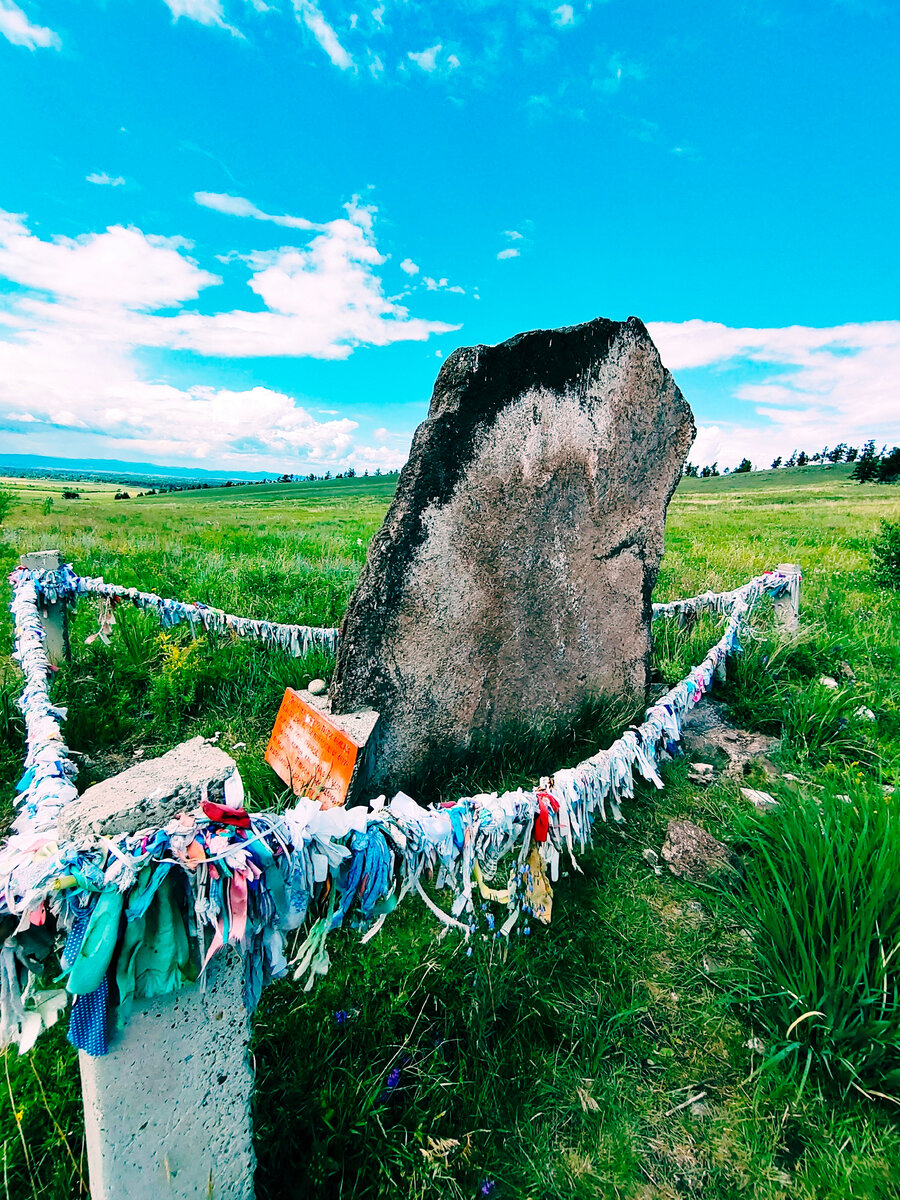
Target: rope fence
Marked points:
254	878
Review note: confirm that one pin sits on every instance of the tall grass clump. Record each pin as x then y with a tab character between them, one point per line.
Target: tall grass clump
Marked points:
886	555
822	900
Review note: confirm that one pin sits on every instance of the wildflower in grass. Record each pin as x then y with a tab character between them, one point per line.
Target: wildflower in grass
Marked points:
393	1079
341	1017
487	1187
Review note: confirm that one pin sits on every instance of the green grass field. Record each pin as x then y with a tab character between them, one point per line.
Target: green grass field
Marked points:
634	1049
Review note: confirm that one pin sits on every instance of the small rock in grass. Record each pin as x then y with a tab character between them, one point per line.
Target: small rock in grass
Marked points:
847	672
700	780
651	858
865	714
828	681
702	774
761	800
317	687
694	854
756	1045
709	737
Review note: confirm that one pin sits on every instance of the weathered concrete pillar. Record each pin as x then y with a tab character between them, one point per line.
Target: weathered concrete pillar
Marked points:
167	1111
787	606
54	617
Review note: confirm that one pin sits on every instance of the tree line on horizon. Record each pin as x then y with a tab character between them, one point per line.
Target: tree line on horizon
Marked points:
871	466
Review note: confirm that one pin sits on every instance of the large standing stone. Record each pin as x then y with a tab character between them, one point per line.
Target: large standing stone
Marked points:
513	572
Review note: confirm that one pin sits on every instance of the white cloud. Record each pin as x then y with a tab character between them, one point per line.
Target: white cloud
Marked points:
509	252
564	15
388	458
121	268
243	429
513	235
426	59
315	22
810	387
409	267
615	72
16	28
442	285
206	12
237	206
105	180
68	340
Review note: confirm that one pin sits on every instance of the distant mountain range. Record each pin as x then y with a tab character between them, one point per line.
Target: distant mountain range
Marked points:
114	468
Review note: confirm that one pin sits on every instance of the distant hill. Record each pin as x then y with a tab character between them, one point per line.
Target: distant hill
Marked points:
770	480
27	464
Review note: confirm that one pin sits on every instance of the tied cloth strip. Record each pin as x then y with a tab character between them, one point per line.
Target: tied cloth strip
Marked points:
248	878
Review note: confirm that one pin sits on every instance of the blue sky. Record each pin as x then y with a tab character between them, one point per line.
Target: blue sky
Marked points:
242	233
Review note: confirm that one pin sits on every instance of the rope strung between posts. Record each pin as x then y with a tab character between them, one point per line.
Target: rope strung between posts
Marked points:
64	585
119	914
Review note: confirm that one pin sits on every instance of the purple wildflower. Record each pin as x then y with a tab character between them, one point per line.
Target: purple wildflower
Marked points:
340	1016
393	1079
487	1186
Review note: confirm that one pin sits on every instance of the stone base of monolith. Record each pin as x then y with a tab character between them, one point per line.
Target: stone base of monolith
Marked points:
512	575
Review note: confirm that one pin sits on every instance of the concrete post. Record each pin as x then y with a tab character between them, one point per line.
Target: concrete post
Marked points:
54	617
787	606
167	1111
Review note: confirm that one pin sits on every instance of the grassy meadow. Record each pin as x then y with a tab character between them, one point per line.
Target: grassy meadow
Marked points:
656	1041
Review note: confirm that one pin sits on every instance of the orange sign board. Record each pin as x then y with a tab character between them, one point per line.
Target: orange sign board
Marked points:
310	753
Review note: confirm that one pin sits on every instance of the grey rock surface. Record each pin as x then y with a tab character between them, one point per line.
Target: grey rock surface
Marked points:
149	793
694	854
708	735
512	575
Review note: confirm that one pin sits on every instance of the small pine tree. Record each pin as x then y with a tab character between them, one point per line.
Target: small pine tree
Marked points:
851	454
867	464
792	461
776	462
743	467
802	458
889	467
